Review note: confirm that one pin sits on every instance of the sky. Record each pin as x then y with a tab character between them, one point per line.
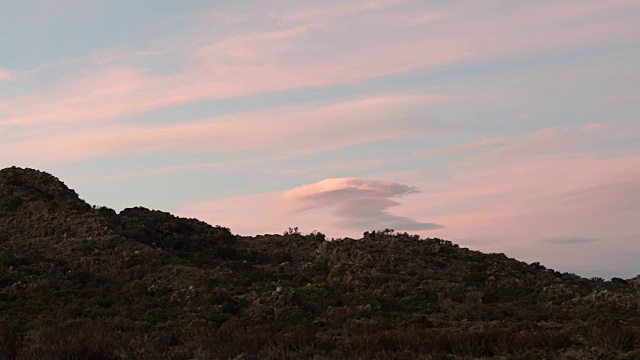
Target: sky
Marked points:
510	127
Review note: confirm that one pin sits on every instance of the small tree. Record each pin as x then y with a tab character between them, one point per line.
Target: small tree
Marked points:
292	231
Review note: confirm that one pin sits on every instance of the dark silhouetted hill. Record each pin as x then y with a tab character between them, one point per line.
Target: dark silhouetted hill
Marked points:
84	282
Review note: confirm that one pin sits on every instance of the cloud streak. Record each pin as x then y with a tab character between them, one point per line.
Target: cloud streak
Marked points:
571	240
5	75
300	49
294	129
356	203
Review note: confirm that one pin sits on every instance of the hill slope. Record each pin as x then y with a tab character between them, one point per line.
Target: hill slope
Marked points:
78	281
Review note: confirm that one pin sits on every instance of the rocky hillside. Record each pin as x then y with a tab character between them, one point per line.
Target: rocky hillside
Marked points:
80	282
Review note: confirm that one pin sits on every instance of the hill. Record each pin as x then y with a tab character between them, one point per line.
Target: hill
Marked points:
84	282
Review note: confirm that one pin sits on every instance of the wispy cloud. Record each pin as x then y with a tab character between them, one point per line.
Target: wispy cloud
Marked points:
560	141
301	129
542	186
571	240
299	50
356	203
524	116
618	196
466	148
4	75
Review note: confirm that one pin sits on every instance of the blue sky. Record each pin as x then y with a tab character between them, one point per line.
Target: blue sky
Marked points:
509	128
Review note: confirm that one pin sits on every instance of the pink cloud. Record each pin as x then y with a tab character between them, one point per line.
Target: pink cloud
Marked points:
330	11
594	127
602	208
459	149
105	94
356	203
527	190
559	141
302	198
317	46
524	116
333	206
298	129
513	199
5	75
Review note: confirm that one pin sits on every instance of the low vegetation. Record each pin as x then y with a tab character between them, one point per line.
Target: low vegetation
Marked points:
84	282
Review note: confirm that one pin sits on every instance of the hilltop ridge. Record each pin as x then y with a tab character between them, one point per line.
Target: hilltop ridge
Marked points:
19	186
82	281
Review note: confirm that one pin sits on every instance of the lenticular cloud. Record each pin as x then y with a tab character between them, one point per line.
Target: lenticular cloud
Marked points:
357	203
